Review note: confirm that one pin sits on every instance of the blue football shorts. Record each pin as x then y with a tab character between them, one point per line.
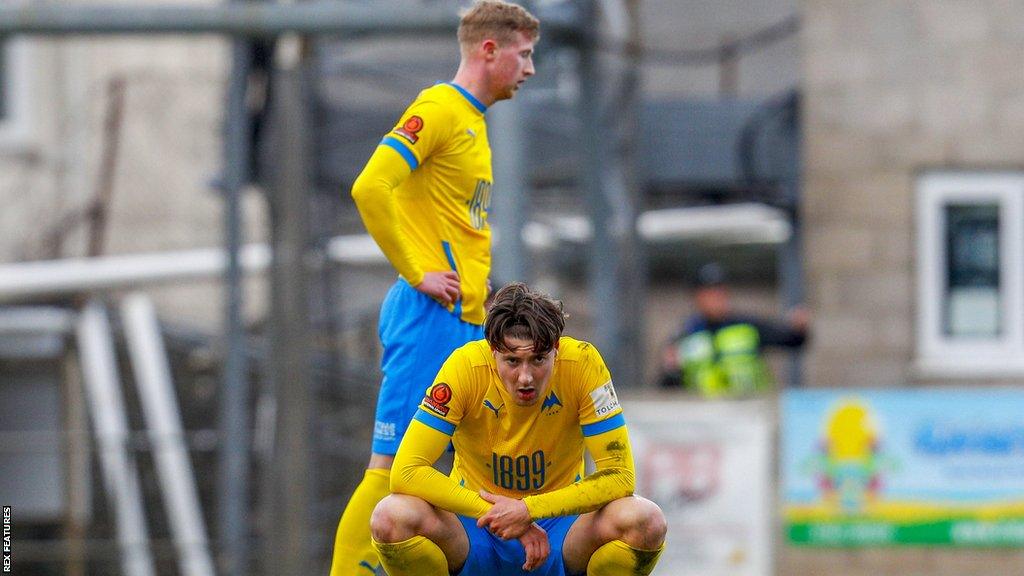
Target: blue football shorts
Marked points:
418	335
492	556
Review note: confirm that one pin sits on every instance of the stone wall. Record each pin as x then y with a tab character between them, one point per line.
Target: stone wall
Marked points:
892	90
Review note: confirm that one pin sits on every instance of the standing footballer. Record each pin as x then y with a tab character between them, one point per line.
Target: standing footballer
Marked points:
520	407
424	196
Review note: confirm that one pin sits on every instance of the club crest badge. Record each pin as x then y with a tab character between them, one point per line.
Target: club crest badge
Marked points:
410	129
438	398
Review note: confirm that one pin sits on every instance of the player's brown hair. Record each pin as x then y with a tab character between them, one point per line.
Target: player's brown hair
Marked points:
498	20
519	312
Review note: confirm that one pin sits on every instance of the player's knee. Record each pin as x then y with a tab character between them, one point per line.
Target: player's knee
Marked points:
655	525
650	524
641	522
397	517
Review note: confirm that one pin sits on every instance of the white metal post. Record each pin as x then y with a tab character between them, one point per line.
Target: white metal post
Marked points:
163	424
120	474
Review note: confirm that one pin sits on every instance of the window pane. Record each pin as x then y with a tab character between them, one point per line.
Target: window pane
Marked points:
972	303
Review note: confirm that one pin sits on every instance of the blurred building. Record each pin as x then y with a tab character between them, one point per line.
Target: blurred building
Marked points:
885	136
912	192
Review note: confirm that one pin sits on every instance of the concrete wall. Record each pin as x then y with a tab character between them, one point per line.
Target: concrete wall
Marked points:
893	89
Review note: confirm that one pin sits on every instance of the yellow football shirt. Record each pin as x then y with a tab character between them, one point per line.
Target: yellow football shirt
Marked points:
425	193
523	452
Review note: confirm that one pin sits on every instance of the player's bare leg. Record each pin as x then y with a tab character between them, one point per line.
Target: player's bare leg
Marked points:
623	538
414	538
353	552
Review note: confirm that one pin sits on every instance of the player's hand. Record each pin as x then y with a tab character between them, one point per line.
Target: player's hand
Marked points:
441	286
508	518
535	542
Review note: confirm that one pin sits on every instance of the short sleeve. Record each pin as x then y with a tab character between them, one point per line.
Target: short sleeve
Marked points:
421	132
443	405
599	405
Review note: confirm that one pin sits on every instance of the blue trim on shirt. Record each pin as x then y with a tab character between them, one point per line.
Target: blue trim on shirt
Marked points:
434	422
457	310
604	425
472	99
402	149
448	254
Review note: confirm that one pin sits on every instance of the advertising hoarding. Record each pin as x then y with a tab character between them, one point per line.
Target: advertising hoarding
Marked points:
935	466
707	464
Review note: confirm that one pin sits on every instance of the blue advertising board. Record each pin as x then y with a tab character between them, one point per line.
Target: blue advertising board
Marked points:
927	466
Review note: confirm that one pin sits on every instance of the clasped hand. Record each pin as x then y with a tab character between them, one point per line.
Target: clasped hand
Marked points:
509	518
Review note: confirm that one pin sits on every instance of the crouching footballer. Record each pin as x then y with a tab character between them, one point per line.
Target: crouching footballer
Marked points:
519	406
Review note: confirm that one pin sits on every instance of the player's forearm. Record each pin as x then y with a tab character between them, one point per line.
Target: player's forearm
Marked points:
423	481
413	473
586	495
372	193
613	479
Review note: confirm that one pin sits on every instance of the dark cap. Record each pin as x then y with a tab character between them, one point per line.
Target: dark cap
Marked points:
710	275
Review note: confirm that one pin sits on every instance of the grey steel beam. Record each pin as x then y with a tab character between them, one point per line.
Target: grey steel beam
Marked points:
616	260
602	270
604	261
234	464
245	19
509	201
624	121
240	19
288	471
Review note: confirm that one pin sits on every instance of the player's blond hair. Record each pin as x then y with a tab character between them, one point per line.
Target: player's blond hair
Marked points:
497	20
519	312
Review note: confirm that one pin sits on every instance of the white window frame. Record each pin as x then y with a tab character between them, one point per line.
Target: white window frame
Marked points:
938	354
16	126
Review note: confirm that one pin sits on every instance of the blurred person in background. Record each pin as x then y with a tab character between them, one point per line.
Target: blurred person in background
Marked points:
718	352
520	406
423	196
